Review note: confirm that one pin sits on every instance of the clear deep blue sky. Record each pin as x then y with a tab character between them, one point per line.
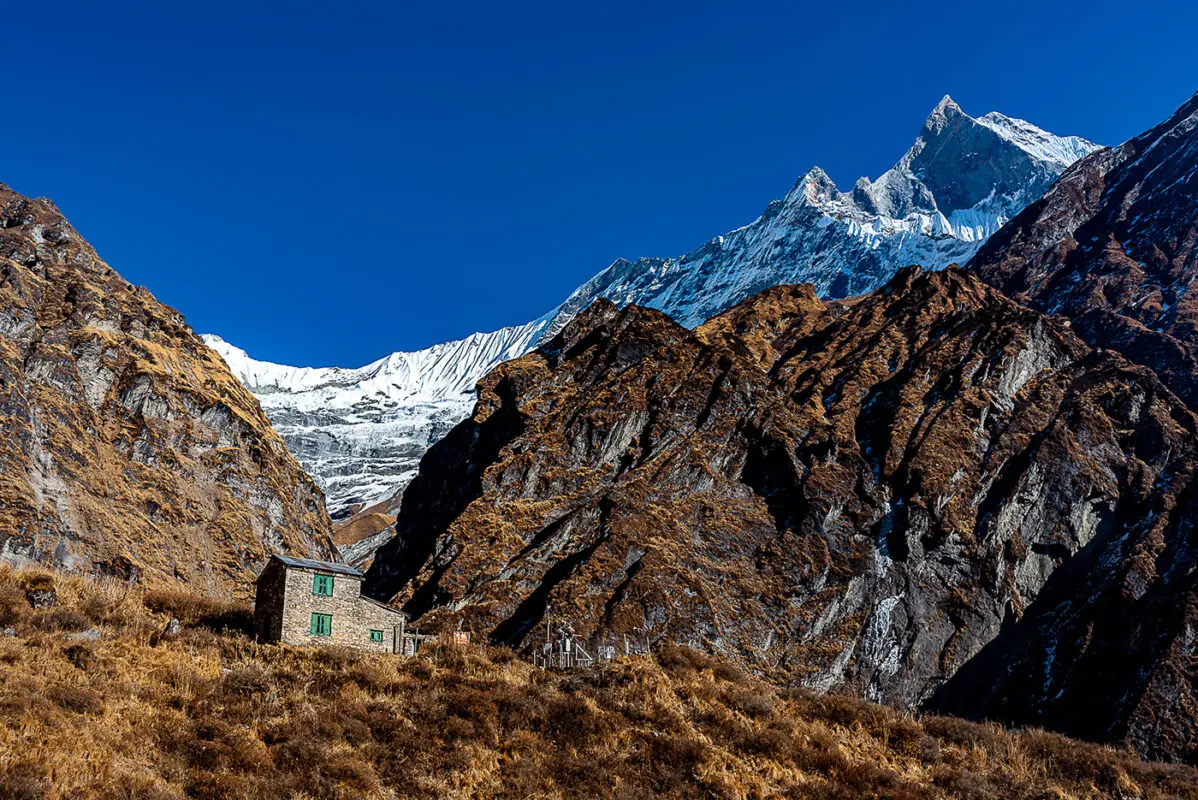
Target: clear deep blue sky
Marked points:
326	183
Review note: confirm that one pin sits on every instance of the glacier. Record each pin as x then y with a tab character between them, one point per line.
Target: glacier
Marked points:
361	432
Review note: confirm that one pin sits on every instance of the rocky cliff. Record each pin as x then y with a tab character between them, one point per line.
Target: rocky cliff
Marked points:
873	495
126	445
1114	246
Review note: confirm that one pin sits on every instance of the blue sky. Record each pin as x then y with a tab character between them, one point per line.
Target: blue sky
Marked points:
324	183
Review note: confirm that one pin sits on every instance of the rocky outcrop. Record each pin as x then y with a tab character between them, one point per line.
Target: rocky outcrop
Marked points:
875	495
1114	246
126	445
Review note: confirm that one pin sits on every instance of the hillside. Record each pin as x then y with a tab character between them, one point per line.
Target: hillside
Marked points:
859	495
98	703
126	445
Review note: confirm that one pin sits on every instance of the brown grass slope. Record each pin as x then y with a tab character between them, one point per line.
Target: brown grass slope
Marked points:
861	495
126	445
209	714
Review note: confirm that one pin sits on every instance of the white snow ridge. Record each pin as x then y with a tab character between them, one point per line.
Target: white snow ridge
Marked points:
361	432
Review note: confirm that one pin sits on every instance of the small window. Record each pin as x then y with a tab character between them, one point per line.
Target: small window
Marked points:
322	584
376	636
322	625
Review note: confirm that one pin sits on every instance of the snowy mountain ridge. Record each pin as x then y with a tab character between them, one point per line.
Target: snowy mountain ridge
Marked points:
430	375
1062	150
361	432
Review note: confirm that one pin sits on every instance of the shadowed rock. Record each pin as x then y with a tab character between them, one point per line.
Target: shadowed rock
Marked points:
1114	246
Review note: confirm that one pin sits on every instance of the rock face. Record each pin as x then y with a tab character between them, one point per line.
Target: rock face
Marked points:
1114	246
874	495
361	432
127	446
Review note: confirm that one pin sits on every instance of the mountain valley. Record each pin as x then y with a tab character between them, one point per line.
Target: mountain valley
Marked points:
885	488
950	490
361	432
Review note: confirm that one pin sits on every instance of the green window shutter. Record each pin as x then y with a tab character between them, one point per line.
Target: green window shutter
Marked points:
322	625
322	584
376	636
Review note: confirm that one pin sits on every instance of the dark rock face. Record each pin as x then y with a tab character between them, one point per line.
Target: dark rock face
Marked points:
41	599
869	495
1114	246
126	445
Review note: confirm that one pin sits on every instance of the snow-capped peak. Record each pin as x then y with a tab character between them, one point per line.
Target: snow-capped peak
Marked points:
944	110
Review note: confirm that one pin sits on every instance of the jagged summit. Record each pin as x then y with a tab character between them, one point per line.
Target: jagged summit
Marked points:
944	111
956	185
959	164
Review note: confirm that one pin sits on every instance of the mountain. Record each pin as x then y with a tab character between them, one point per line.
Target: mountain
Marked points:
887	495
1114	246
361	432
128	447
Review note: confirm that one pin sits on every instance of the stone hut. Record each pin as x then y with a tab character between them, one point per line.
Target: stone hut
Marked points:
305	602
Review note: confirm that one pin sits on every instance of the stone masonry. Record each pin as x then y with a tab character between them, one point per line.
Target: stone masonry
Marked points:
290	609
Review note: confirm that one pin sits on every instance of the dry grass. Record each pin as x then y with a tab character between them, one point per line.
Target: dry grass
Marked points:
212	714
